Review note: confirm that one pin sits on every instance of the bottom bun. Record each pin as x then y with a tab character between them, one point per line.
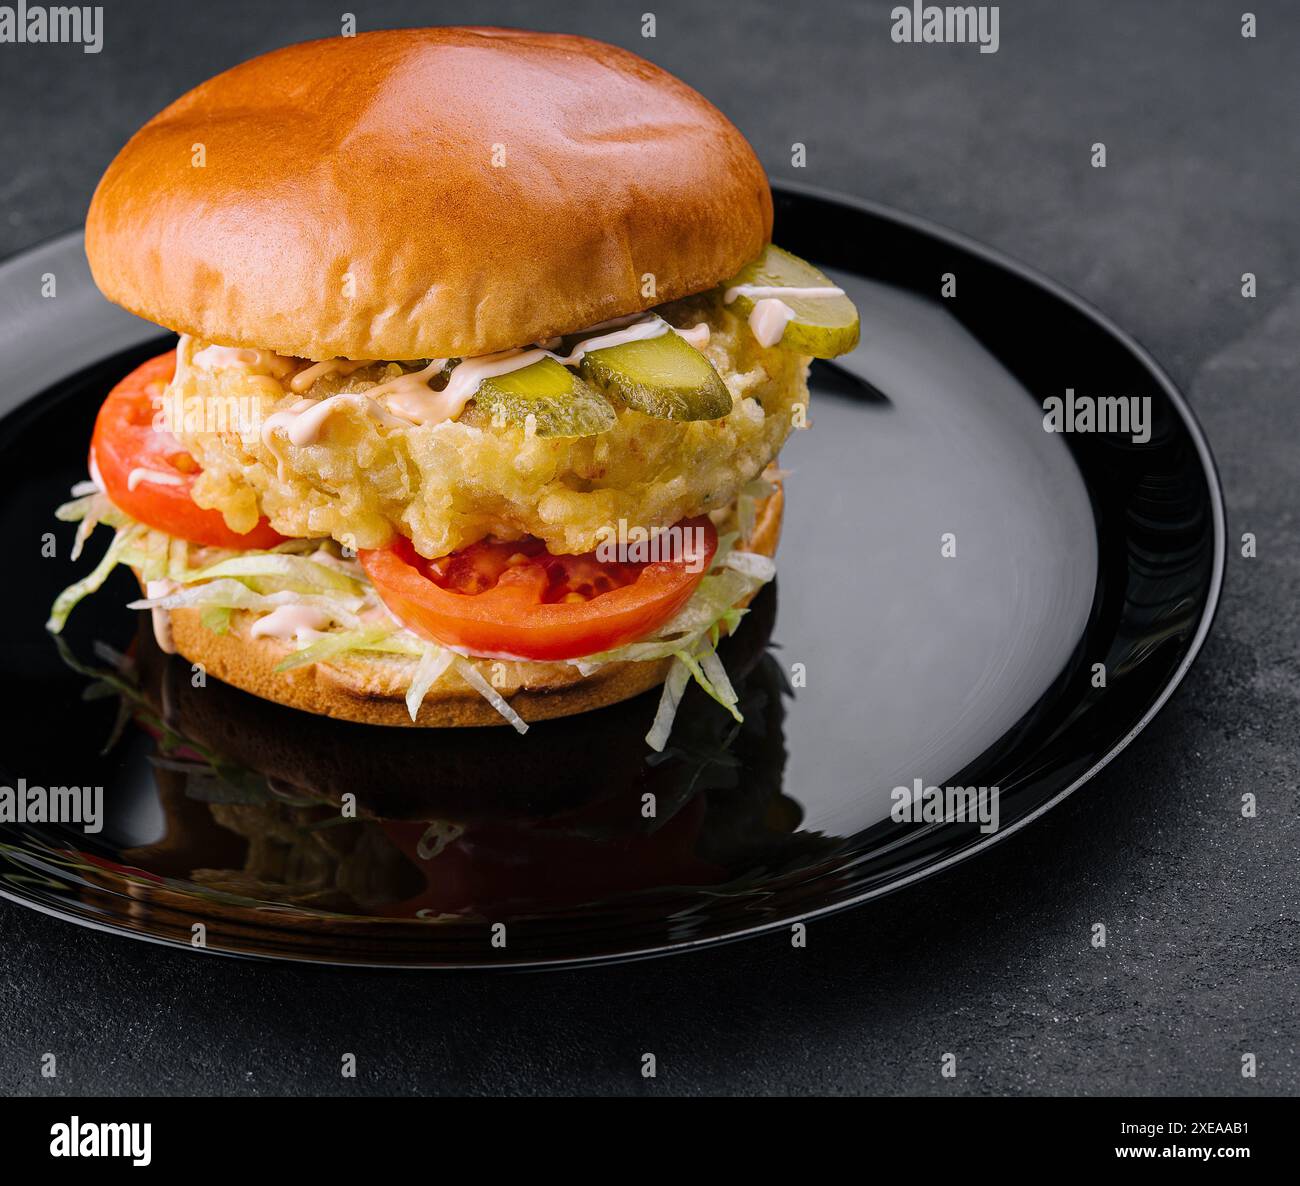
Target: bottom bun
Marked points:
373	689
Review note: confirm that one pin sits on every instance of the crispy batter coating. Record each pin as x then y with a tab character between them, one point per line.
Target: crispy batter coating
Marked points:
447	485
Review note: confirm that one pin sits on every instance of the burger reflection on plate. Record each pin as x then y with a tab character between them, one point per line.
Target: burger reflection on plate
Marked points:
264	804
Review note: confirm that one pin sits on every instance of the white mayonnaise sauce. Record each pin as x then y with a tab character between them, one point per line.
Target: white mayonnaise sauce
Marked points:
466	377
184	347
303	420
162	622
756	291
409	397
138	475
412	379
318	370
637	331
286	420
768	320
698	335
771	314
302	425
291	622
252	362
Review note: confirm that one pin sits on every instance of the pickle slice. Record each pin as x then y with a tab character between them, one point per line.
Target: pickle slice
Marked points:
664	377
822	326
564	406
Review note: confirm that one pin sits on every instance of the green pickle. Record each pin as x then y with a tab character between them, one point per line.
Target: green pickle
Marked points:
822	327
562	404
664	377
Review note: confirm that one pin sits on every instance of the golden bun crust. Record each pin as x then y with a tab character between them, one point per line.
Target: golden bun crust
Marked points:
373	691
348	204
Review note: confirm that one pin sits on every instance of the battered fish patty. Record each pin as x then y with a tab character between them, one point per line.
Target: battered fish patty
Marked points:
449	484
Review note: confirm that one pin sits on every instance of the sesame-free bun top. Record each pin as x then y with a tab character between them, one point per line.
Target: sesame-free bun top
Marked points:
418	193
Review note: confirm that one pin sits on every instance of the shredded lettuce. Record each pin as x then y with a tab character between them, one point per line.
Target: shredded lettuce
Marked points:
229	593
751	564
68	600
274	572
691	638
714	671
217	618
333	645
155	559
713	602
693	662
220	583
751	493
178	558
471	675
432	664
674	688
88	510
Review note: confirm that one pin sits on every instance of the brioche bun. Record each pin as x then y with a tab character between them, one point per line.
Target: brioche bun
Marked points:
373	690
347	203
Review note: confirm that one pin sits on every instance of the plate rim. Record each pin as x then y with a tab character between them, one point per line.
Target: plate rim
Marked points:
989	255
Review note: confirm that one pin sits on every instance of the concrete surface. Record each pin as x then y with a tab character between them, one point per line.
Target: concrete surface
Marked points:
991	961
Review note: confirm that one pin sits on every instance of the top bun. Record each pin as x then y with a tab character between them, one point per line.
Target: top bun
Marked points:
420	193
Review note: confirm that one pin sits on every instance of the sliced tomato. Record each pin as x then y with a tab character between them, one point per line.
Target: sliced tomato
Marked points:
127	442
518	600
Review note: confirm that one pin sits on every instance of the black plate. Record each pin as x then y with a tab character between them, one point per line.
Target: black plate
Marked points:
970	670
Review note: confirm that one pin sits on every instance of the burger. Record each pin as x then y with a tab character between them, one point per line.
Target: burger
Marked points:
484	361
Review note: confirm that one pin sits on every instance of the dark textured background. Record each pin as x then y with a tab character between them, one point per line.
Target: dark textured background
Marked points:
991	961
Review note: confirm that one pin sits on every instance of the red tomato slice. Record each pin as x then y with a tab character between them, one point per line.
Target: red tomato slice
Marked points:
516	600
126	440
